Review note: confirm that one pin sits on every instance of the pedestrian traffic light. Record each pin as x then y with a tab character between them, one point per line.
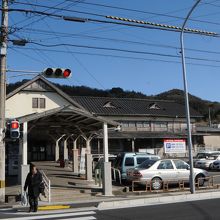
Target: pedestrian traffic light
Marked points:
14	129
57	73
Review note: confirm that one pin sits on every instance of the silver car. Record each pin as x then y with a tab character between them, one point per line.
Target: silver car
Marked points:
207	163
172	170
216	165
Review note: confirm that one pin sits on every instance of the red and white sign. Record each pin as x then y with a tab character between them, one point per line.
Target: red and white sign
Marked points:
173	146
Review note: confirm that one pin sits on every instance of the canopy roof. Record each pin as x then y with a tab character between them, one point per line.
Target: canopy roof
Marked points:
66	120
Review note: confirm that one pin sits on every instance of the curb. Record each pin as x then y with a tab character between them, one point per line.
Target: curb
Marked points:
157	200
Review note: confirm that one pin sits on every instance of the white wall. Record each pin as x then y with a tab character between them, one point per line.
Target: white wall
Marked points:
21	103
212	141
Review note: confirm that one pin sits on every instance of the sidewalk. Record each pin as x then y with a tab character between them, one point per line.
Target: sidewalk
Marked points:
71	191
65	186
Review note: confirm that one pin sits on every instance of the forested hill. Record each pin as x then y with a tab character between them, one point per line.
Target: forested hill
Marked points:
202	106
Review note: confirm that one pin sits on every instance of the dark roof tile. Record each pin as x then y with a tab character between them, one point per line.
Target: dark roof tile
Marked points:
132	107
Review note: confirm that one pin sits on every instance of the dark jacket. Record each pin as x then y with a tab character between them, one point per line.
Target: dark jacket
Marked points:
32	182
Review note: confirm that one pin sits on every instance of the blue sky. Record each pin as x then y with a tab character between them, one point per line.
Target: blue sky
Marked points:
104	69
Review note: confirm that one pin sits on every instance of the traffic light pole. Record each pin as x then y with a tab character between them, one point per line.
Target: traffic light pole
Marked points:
4	37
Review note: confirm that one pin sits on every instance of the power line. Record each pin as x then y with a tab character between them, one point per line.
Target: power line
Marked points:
59	9
148	25
123	57
63	34
118	50
147	12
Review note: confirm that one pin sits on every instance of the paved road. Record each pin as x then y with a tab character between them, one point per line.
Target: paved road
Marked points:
198	210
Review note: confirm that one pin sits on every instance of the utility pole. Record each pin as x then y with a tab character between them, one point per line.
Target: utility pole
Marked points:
4	38
191	177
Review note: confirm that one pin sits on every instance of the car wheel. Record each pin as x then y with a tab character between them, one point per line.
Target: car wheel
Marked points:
201	181
156	183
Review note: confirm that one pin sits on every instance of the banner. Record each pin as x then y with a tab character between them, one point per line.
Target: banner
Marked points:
173	146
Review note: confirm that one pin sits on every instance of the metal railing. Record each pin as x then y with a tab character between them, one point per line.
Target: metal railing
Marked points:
114	176
98	177
211	182
47	186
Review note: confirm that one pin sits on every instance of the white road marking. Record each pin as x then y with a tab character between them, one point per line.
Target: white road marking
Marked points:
6	209
52	216
81	218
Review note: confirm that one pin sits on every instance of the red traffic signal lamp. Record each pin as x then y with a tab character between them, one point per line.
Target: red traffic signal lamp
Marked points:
14	129
57	73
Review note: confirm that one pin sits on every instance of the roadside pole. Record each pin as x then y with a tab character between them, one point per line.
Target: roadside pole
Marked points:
191	178
4	38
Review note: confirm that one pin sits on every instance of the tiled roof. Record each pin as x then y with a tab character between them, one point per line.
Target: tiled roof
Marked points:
106	106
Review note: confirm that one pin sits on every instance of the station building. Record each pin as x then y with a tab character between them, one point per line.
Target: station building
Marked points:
57	123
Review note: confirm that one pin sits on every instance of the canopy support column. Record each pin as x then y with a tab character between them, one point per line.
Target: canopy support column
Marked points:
57	149
107	177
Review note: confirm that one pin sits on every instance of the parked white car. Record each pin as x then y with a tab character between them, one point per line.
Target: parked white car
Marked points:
172	170
207	163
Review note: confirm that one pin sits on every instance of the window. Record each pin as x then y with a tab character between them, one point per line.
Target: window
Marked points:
180	164
125	124
34	102
146	124
38	103
154	106
129	161
131	124
142	124
109	105
147	164
165	165
141	159
160	124
42	103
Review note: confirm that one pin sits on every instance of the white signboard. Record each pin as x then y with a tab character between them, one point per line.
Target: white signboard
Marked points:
173	146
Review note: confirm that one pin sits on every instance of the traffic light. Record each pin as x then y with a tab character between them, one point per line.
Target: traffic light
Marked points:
57	73
14	129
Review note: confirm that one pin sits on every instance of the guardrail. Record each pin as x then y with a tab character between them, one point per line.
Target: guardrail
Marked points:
183	184
47	185
114	176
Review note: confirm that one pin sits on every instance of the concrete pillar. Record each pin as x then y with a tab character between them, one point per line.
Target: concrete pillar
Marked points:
24	150
89	167
57	149
25	169
74	144
106	177
20	160
88	161
65	150
88	146
98	146
132	145
75	165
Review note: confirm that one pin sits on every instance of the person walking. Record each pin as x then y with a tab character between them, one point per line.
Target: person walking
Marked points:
32	182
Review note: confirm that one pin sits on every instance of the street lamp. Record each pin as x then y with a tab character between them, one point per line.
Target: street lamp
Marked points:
191	178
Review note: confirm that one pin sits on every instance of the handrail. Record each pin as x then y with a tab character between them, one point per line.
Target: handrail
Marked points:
47	184
114	175
98	177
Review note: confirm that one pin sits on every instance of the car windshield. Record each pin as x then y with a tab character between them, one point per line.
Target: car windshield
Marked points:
213	157
147	164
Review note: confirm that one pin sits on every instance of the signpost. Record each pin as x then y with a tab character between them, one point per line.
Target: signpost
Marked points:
174	146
